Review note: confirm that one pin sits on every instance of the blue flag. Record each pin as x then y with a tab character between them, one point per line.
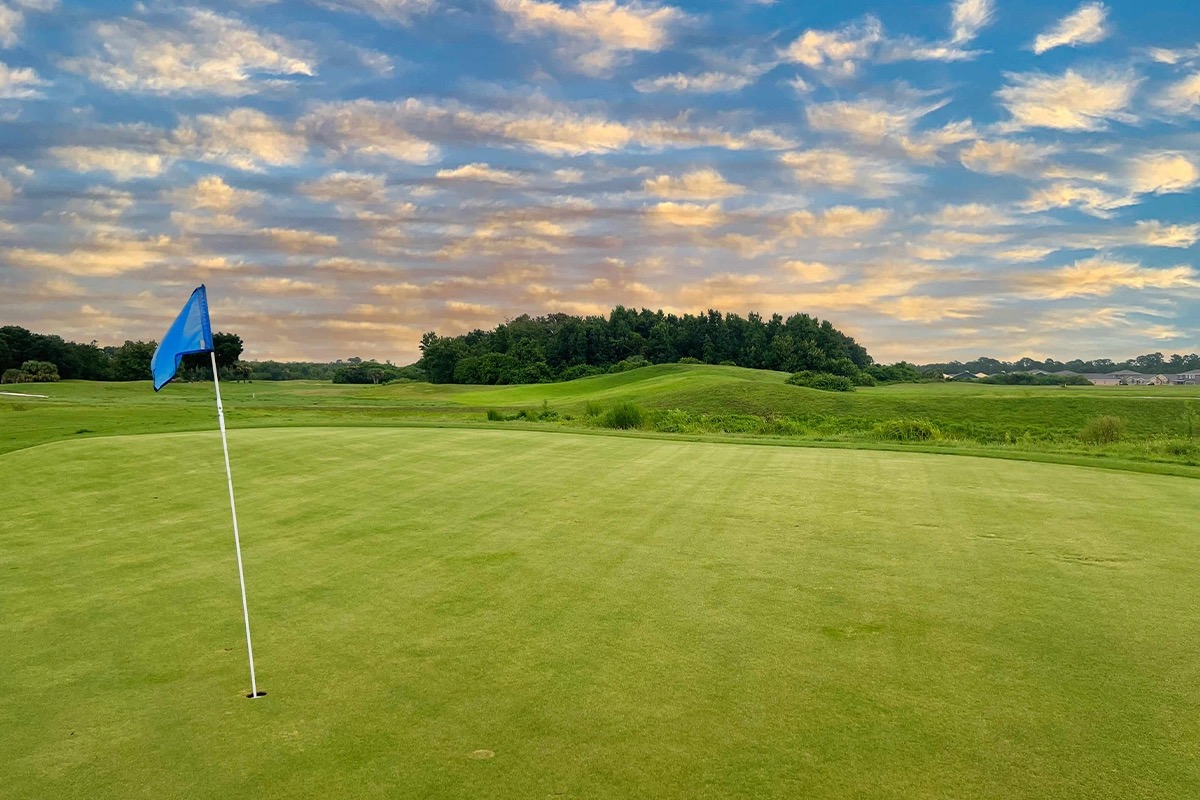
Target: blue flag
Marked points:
189	333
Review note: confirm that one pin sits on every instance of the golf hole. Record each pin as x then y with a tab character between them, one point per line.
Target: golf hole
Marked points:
253	695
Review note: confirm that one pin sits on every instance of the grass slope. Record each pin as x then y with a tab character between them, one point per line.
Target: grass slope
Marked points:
1162	424
612	617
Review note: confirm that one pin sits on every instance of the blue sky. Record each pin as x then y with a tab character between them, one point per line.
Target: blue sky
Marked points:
941	180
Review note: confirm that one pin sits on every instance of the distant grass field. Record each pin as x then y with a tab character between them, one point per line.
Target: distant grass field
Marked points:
1161	424
611	617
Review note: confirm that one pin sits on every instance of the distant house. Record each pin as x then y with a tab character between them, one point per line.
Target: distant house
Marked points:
960	376
1127	377
1185	378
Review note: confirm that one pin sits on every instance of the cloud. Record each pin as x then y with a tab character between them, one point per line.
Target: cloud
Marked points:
98	204
244	138
105	253
1024	253
968	17
284	287
19	83
688	215
211	204
968	215
406	129
395	11
1182	97
1164	55
1004	157
1155	234
481	173
11	21
1084	25
837	52
811	271
598	34
123	164
346	188
1101	276
291	240
205	54
866	120
926	309
1069	102
370	128
842	170
837	221
1163	172
1089	199
212	193
697	184
701	83
875	122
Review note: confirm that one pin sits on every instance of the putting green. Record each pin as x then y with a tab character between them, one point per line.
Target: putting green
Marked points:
610	617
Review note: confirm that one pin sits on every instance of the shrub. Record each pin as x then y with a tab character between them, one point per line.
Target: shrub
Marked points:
579	371
1103	430
495	416
907	430
31	372
690	360
592	409
863	379
633	362
624	416
822	380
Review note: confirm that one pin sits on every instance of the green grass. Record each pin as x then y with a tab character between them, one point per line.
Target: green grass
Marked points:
709	401
613	617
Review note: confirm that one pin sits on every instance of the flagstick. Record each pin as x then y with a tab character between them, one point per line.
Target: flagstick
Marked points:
236	541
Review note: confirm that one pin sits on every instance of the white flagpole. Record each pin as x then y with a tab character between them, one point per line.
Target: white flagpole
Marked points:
236	541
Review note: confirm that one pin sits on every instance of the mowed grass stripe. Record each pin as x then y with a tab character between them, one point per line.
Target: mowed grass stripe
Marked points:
612	617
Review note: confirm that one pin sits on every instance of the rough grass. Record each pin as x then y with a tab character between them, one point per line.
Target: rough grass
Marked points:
611	617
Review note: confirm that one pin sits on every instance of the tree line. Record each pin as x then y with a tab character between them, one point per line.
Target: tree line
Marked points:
23	352
1150	364
562	347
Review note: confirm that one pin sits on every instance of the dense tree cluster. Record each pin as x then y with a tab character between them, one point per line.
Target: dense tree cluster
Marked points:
291	370
1028	379
1150	364
561	347
374	372
90	362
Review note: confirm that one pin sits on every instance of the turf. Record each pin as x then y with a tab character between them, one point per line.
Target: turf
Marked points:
1162	424
611	617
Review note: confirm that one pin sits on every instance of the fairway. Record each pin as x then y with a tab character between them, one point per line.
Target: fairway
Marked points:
609	617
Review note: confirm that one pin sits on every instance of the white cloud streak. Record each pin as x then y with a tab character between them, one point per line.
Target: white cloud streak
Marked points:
1085	25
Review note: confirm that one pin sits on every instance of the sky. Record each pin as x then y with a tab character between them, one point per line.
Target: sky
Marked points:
939	180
